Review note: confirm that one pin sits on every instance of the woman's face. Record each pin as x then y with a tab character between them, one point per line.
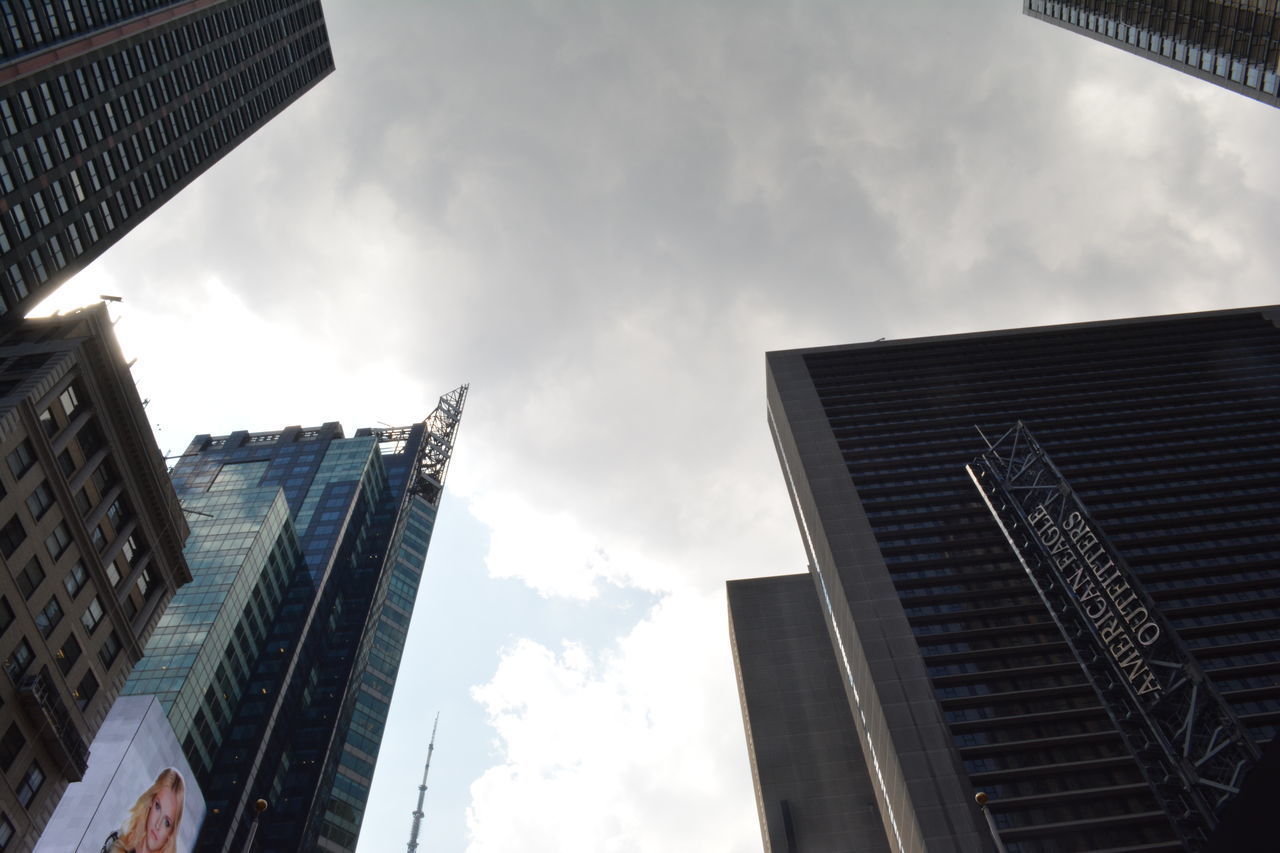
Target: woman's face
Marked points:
164	806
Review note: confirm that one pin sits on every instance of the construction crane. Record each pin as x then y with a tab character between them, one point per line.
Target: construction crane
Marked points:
422	790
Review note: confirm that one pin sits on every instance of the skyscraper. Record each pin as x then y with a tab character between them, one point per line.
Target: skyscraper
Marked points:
276	665
108	109
1233	43
957	676
91	537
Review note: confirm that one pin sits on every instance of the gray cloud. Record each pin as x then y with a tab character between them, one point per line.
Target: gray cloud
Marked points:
602	214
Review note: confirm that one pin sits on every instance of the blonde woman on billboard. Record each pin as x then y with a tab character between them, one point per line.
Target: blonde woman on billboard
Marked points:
152	824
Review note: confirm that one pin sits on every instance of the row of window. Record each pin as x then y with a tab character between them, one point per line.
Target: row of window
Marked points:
231	95
47	21
98	220
1221	49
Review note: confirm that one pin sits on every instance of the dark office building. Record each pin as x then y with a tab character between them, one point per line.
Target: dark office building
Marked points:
91	537
276	665
959	676
110	107
812	787
1233	43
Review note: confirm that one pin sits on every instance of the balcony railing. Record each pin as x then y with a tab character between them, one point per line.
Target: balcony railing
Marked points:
46	709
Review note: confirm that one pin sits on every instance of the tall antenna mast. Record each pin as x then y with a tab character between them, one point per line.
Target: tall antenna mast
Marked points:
422	789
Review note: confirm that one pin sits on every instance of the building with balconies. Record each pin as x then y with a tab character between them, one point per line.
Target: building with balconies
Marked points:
91	537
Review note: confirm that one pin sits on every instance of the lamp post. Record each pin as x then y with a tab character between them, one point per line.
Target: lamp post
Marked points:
259	806
981	799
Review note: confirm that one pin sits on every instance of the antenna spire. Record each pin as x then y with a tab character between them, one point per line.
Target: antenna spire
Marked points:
422	790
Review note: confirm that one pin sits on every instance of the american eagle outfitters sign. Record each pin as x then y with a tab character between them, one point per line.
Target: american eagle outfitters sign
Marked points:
1190	745
1124	626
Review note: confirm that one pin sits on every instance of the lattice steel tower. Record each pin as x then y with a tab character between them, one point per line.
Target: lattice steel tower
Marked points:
422	790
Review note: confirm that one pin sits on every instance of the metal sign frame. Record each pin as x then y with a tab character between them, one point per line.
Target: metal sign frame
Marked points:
1189	744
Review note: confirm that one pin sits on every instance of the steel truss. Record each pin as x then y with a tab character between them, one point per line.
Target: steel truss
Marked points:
1190	746
441	429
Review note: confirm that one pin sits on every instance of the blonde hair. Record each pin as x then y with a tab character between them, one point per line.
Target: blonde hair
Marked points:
133	834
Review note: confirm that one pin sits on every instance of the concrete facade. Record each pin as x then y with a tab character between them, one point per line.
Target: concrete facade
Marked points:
812	786
91	553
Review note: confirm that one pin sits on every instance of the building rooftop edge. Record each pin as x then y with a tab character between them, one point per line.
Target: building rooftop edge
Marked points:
1018	330
762	578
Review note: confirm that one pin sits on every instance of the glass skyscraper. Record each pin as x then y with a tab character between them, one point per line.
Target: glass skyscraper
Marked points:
109	107
1233	43
277	663
954	675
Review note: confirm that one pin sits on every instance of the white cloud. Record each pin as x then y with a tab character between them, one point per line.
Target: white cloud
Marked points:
631	749
548	550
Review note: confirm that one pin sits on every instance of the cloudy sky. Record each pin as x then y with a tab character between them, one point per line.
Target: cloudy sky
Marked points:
601	215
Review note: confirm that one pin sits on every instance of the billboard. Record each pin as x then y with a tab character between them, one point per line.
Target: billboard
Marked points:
138	794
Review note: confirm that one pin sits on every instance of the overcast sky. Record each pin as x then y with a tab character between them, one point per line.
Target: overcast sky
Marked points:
602	215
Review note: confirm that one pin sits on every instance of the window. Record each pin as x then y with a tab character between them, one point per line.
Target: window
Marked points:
68	654
56	542
77	186
92	616
48	424
145	583
85	690
90	439
12	535
66	464
113	574
40	499
24	163
75	580
70	400
31	576
59	196
64	147
49	616
6	614
21	459
40	208
110	650
6	831
131	548
16	281
30	785
99	539
15	665
20	222
102	478
42	149
73	237
37	264
29	107
117	512
10	746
